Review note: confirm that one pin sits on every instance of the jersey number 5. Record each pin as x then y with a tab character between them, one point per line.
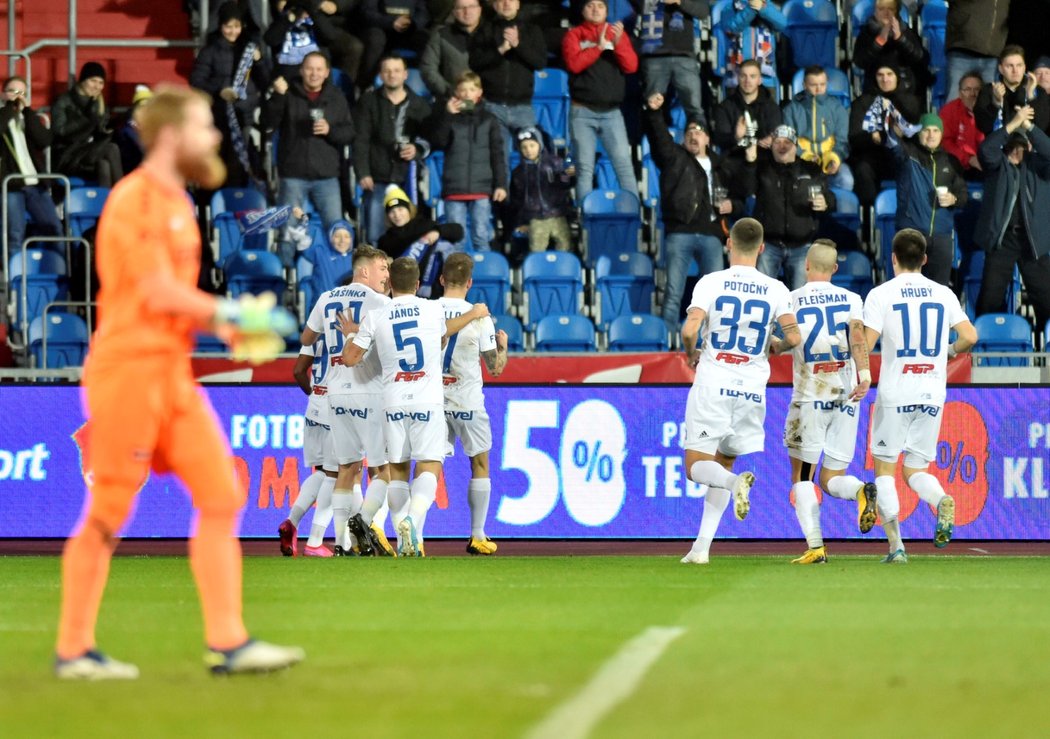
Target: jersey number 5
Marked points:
403	343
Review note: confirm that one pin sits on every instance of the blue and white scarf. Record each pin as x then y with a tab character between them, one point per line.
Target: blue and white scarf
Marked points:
298	42
240	86
881	116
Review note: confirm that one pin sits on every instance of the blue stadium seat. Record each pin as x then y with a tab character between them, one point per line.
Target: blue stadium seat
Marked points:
435	164
416	84
515	332
838	85
565	333
47	280
843	224
611	224
885	227
718	36
67	340
552	284
854	273
340	80
1003	332
813	27
605	175
934	19
623	286
620	10
641	333
84	208
973	271
550	100
236	200
491	281
254	272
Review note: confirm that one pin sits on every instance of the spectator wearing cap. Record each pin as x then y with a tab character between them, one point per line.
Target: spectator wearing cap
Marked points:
447	53
1014	89
885	39
25	139
1042	74
83	145
962	138
822	124
753	27
668	49
1011	227
790	195
539	194
976	33
599	56
695	202
930	187
410	234
748	112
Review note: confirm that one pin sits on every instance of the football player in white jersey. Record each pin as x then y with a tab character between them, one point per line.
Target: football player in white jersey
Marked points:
831	376
409	335
465	413
355	397
736	310
309	372
913	315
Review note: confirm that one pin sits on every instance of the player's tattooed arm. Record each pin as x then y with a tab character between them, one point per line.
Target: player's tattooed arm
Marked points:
792	335
496	359
858	349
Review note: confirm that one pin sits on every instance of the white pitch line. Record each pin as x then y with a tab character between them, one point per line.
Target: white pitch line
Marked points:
614	682
979	550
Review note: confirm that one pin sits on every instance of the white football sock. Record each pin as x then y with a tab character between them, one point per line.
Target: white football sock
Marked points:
844	487
424	491
375	497
807	511
478	493
927	487
397	496
307	495
342	503
889	506
323	513
715	503
707	472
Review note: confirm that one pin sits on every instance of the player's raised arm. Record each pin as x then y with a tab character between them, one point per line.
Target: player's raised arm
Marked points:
301	370
966	339
858	349
792	334
690	332
455	325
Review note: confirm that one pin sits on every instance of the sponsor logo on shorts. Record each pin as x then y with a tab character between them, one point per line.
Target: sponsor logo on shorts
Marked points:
324	426
821	368
353	412
753	397
929	410
411	416
921	368
409	376
730	358
27	464
460	415
835	405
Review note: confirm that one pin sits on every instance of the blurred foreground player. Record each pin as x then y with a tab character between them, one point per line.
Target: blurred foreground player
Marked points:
465	414
914	316
144	408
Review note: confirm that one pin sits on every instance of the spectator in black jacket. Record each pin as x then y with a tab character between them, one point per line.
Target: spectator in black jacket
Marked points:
391	25
475	170
539	194
413	235
301	26
389	145
314	123
232	70
748	112
666	45
506	51
1011	227
694	202
83	145
790	195
446	55
886	39
1013	90
25	138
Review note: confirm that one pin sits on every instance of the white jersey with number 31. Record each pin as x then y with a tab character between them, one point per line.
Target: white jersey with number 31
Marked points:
355	300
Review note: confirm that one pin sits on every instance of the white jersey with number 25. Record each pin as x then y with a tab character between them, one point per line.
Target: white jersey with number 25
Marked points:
823	367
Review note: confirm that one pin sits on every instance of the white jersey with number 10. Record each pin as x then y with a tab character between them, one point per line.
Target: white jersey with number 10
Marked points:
742	304
407	334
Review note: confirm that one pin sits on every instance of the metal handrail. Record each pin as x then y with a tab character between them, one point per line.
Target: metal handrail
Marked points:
87	305
4	189
24	297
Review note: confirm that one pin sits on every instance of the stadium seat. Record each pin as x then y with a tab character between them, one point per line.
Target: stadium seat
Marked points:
854	272
491	281
623	286
342	82
515	333
813	27
885	228
435	164
565	333
47	280
843	224
67	340
934	20
611	224
236	200
550	100
1003	332
84	208
552	284
973	272
719	38
254	272
838	85
640	333
416	84
605	175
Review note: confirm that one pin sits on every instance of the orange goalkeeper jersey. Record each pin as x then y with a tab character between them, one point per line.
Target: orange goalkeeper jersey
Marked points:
147	228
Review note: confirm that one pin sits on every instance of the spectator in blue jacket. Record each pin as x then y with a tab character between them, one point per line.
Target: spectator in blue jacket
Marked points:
822	125
930	186
753	27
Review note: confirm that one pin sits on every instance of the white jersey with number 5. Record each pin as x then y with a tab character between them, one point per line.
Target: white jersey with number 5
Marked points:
461	364
742	304
407	334
355	300
823	367
913	314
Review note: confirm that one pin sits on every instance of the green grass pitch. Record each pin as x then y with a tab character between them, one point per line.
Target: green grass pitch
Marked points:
454	647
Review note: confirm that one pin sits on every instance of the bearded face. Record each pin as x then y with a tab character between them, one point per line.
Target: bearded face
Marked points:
197	148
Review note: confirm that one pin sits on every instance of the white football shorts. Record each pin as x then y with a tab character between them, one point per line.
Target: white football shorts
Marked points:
912	429
417	433
813	427
472	428
357	426
319	447
727	421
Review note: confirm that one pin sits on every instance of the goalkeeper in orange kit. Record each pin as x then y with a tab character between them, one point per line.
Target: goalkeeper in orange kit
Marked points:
144	409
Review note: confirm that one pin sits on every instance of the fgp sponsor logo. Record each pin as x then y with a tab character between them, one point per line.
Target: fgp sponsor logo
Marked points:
411	416
27	464
929	410
921	368
409	376
823	368
730	358
361	413
460	415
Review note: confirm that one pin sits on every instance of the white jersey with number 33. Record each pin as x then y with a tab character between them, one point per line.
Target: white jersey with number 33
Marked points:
407	334
461	363
742	304
913	314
